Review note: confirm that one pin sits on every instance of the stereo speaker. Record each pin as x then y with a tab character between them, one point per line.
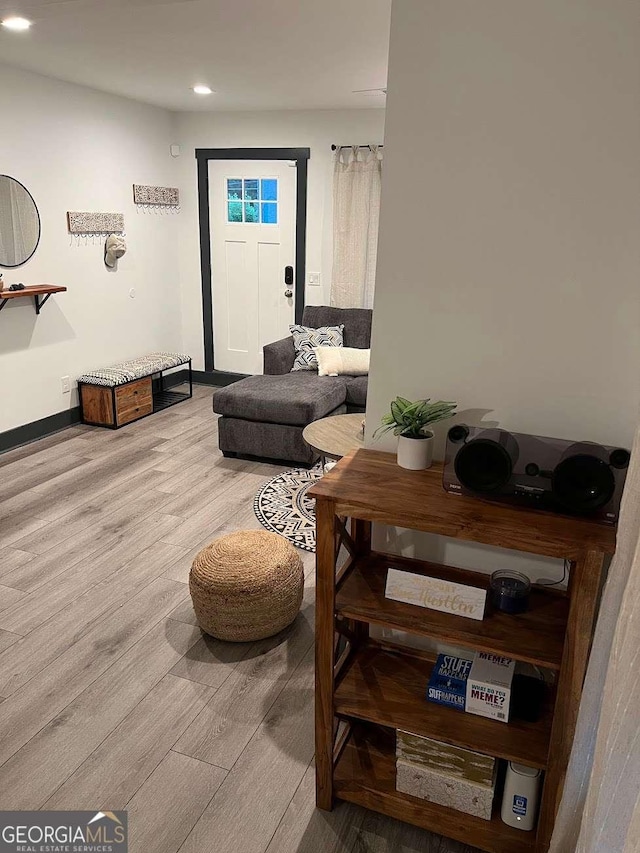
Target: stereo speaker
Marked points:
575	478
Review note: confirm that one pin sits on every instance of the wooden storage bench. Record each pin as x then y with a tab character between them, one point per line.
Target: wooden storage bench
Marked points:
118	395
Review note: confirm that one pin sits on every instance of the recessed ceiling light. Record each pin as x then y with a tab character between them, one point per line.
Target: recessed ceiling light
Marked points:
16	24
202	90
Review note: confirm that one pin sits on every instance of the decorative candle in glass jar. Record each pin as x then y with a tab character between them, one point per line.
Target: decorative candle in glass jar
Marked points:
510	591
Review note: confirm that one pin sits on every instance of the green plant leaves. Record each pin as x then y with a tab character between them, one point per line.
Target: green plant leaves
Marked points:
411	419
397	411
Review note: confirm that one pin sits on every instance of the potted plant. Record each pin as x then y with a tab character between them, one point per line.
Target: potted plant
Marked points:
409	422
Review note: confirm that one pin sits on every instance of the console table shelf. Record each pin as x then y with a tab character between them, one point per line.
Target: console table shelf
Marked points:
366	689
35	290
541	630
389	688
365	774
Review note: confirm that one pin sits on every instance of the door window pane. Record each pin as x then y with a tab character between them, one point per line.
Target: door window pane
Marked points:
251	212
251	189
270	213
234	188
252	200
234	211
269	189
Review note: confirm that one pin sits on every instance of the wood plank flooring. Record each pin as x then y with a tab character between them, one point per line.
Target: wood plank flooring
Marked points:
111	697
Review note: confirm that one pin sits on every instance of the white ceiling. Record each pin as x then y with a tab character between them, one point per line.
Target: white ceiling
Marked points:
255	54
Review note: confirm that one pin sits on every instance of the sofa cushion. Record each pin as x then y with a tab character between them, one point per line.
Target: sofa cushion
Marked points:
357	391
306	340
267	441
357	322
291	398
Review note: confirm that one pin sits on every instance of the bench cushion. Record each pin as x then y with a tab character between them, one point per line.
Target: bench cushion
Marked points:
291	398
136	368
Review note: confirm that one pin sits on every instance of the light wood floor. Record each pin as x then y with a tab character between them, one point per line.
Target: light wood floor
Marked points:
110	697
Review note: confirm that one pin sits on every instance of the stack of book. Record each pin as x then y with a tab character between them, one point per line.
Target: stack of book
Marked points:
480	686
446	775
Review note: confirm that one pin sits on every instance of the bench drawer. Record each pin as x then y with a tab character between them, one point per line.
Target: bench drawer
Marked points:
132	395
144	407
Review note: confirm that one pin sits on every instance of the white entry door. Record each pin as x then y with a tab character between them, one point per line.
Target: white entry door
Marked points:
252	220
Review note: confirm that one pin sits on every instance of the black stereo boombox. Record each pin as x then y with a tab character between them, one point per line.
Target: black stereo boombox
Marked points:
577	478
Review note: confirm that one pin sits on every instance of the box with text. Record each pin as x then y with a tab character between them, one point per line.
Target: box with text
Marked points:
488	690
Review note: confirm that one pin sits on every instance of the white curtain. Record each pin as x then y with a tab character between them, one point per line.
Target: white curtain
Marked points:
356	214
600	808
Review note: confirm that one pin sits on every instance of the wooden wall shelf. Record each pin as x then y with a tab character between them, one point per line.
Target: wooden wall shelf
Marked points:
37	291
375	688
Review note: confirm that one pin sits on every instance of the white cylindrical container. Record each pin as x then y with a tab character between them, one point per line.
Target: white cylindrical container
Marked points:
521	794
416	454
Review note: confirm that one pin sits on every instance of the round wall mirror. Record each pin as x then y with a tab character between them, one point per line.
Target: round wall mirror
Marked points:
19	223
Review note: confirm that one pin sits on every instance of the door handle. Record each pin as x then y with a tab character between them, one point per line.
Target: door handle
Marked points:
288	293
288	275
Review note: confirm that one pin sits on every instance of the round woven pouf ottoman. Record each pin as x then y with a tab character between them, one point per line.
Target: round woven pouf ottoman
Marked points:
246	586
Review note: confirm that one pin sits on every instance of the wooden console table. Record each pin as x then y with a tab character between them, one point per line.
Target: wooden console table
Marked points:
366	689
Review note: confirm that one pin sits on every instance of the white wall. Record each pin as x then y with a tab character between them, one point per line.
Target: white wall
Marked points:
509	260
316	130
78	149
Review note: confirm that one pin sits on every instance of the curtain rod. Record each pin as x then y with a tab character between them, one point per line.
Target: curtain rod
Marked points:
368	145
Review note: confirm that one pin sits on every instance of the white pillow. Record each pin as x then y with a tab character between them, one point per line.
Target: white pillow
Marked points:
342	361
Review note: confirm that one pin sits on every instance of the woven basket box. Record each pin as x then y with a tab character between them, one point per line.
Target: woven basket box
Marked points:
451	760
446	775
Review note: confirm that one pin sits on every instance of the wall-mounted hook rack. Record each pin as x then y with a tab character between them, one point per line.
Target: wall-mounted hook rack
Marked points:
95	223
156	196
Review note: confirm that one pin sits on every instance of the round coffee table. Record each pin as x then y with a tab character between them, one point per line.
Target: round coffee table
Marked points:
334	437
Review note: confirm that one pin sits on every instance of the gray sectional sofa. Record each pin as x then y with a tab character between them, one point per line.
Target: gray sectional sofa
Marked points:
264	416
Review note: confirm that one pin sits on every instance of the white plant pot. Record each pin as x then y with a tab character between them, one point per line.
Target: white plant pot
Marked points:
416	454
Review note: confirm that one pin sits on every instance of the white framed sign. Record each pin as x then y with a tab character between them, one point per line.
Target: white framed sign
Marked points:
436	594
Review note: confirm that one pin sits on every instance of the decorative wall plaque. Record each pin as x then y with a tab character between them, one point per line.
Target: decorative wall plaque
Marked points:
95	223
161	196
436	594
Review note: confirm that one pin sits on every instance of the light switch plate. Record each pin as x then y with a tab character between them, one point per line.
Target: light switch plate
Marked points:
314	279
